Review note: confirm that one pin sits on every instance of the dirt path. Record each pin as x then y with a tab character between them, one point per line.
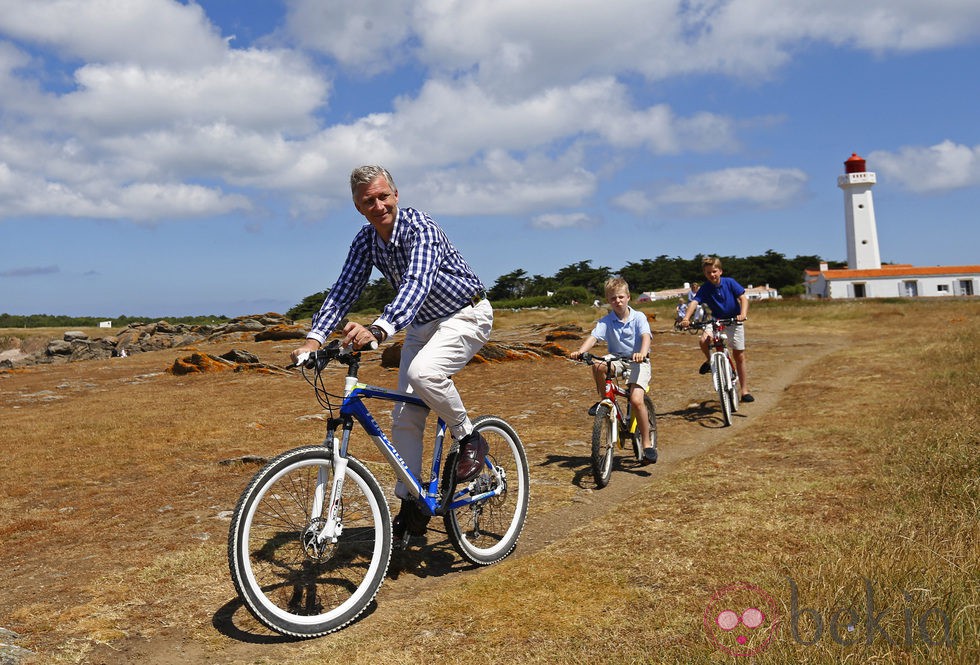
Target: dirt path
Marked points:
686	429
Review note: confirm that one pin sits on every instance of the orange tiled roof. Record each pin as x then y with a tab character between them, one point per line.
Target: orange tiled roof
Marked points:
898	271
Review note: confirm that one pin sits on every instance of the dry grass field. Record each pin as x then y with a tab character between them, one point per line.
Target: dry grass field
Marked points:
844	504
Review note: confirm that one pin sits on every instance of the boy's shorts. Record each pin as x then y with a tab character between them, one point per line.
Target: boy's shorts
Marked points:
736	335
638	373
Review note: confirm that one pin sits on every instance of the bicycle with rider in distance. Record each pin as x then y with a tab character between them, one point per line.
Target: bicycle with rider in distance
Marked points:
697	317
311	536
612	426
724	375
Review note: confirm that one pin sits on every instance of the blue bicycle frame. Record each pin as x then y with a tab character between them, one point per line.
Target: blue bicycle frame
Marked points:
353	408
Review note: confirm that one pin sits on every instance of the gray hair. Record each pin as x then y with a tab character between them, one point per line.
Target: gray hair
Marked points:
365	175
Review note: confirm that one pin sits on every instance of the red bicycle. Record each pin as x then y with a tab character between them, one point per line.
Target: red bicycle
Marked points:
613	426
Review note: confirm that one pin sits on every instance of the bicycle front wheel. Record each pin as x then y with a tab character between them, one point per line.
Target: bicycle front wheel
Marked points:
288	579
651	419
721	379
602	446
486	530
733	387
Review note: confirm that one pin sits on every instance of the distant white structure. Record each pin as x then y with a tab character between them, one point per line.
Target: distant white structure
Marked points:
859	215
754	293
761	292
864	276
105	324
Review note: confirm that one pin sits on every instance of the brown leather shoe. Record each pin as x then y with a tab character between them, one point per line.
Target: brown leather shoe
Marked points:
473	451
410	518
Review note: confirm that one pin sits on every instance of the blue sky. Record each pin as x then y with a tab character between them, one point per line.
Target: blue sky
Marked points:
162	158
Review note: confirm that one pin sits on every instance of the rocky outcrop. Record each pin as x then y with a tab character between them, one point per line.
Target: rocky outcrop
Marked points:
563	334
141	337
236	360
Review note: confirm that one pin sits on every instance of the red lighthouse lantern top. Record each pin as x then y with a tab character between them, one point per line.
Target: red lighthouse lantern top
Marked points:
854	164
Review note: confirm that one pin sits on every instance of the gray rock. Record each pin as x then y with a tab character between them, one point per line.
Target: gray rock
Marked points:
58	347
240	356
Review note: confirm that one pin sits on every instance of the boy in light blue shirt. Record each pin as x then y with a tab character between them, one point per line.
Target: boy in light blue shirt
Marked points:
626	333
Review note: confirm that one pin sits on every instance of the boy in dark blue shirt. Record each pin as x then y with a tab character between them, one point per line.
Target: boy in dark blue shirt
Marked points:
727	300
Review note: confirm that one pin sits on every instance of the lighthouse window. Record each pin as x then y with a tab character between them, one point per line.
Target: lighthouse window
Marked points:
860	205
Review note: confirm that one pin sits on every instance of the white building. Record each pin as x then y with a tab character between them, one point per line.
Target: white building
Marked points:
865	277
754	293
892	281
761	292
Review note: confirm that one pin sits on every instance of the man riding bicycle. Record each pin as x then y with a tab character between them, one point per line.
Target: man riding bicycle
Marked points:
441	304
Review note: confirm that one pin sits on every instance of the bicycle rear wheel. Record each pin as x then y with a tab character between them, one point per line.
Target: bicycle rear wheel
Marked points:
289	581
721	379
602	446
486	531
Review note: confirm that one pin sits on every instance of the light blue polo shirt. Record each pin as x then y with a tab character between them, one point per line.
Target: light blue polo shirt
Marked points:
623	338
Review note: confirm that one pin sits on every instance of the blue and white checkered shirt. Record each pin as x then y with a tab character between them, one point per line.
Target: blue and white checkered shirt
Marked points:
430	276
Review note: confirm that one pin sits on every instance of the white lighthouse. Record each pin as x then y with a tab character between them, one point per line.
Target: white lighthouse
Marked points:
859	215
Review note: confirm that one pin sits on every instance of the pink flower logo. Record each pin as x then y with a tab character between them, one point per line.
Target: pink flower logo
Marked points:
740	619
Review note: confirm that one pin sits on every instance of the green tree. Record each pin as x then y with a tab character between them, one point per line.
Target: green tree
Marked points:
309	306
374	297
509	286
584	275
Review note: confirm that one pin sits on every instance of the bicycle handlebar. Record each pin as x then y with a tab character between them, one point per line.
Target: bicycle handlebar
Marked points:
724	322
590	359
333	351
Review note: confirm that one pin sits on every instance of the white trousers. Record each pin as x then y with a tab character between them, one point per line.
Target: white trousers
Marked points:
431	354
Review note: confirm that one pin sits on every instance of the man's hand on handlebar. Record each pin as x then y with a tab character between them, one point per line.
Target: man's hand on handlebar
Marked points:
359	337
309	346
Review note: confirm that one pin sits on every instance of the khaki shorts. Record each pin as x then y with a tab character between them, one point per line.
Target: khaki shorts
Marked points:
638	373
736	335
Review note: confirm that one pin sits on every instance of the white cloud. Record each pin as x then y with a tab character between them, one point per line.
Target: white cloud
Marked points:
634	201
938	168
254	89
500	184
368	35
25	194
516	47
574	220
706	193
147	32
